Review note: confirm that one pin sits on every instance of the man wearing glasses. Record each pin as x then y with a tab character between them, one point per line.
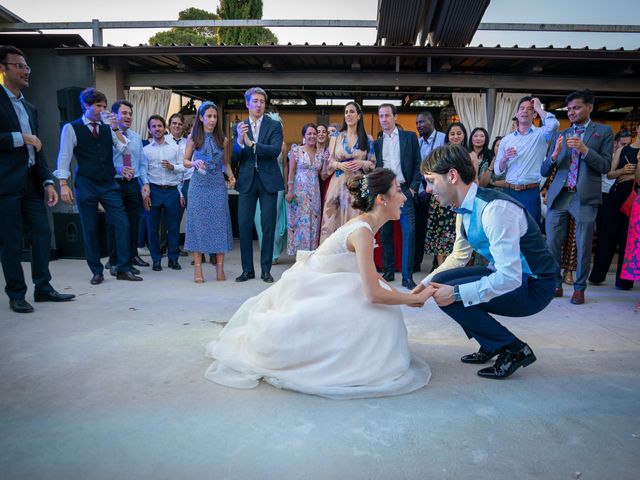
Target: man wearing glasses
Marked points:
24	180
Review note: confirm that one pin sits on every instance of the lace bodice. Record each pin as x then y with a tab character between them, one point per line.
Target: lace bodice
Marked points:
337	242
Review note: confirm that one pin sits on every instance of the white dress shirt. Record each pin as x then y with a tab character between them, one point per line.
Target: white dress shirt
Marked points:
391	154
154	153
182	145
69	141
504	223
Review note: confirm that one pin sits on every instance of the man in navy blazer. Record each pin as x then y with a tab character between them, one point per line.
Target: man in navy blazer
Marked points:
24	178
399	151
256	153
582	154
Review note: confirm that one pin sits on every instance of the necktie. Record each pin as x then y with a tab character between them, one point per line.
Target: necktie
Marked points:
572	177
94	129
254	127
126	157
177	140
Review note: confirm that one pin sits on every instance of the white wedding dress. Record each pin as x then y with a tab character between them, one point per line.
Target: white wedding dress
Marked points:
314	331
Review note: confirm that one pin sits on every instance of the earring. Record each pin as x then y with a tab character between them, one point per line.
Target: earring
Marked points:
384	203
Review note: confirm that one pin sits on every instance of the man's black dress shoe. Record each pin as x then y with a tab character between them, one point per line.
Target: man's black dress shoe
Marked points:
245	276
138	262
135	271
478	357
389	276
156	267
97	279
20	306
52	296
174	265
266	276
128	276
508	362
409	283
113	270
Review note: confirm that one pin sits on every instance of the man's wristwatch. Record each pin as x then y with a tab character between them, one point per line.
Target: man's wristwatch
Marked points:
456	294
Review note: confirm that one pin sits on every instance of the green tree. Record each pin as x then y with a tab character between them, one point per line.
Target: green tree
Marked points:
243	9
194	35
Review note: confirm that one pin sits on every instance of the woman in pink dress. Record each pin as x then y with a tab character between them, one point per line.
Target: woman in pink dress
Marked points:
631	262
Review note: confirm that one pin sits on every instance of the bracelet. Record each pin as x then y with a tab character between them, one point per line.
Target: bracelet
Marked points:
290	182
115	129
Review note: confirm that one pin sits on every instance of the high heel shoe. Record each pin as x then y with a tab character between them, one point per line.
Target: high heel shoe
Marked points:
197	273
567	277
220	276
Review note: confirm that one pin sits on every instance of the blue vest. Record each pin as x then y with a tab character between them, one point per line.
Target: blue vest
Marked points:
534	254
94	156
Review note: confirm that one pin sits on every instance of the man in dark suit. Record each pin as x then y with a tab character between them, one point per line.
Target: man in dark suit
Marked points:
582	153
399	151
24	178
259	178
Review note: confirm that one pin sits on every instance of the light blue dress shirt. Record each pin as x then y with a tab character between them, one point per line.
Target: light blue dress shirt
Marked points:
25	126
531	148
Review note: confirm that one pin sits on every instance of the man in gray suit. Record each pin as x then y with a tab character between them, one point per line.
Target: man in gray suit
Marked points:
582	153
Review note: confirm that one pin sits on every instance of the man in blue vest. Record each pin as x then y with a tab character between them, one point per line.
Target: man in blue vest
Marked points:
90	140
519	280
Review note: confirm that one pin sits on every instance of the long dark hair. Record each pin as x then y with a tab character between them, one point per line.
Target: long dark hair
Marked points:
197	135
486	153
464	132
363	139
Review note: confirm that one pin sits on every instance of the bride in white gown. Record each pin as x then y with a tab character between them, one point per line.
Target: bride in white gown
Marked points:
330	326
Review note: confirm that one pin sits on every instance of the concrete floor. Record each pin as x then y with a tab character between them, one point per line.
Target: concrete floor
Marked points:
111	386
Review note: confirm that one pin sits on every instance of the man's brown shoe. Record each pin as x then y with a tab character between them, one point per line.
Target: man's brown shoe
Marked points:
578	297
558	293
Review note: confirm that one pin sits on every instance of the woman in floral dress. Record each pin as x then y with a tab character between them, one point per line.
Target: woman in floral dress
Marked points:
441	228
350	153
303	193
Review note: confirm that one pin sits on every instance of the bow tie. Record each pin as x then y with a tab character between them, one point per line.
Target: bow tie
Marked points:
461	210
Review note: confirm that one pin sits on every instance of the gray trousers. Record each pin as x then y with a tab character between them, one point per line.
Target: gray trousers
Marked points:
564	205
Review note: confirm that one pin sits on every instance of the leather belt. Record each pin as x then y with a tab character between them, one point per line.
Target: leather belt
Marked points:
569	189
164	187
124	180
519	188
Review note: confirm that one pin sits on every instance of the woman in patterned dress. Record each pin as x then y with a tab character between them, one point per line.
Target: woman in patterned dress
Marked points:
631	262
350	153
441	228
208	227
303	193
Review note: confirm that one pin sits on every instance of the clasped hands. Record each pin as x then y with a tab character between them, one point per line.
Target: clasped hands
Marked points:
350	165
442	294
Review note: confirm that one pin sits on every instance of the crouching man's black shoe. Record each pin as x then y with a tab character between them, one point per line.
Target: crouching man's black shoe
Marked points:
508	362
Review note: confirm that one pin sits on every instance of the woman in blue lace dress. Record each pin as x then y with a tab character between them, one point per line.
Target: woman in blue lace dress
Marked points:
208	227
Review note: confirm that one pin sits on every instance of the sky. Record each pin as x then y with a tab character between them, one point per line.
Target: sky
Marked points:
501	11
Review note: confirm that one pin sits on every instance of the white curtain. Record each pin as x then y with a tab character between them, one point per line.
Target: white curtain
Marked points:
472	109
506	105
147	103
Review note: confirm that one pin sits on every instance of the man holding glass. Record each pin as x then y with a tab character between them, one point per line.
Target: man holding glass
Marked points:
522	152
90	140
582	153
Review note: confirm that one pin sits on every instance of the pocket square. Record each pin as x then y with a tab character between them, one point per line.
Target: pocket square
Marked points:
596	135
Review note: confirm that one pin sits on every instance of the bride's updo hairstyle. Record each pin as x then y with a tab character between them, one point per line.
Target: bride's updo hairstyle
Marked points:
365	188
